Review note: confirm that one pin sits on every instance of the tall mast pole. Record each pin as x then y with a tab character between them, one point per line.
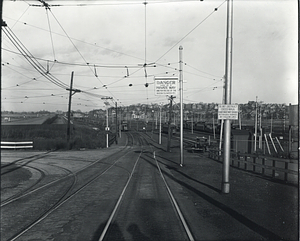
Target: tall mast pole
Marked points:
181	104
117	126
255	127
228	82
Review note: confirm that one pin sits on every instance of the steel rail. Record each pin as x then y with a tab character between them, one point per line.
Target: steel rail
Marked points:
16	197
65	198
28	190
108	223
173	200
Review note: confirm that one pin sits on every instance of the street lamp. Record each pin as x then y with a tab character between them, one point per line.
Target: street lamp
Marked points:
107	128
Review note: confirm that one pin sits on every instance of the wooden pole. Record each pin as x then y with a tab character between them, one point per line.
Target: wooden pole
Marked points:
69	111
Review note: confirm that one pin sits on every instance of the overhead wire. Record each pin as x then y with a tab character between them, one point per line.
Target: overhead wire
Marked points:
79	51
51	37
115	66
192	30
30	58
92	44
86	64
108	3
99	65
20	16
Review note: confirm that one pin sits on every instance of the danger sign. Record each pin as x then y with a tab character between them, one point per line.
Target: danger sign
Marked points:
165	85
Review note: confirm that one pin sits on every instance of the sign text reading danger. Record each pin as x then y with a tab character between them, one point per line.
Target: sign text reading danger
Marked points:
165	86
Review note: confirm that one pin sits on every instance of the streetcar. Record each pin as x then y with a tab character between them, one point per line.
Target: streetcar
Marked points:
165	129
124	126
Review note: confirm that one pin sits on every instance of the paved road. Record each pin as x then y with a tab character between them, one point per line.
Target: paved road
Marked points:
256	208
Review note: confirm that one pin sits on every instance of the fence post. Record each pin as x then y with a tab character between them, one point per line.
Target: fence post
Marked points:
273	170
263	166
245	165
254	164
286	167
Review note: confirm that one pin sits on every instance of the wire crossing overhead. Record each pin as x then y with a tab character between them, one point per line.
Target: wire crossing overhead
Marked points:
31	59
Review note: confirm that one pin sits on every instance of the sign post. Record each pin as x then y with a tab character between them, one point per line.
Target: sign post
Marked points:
227	112
228	83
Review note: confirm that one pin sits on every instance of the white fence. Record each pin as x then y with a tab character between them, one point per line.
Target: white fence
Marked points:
16	145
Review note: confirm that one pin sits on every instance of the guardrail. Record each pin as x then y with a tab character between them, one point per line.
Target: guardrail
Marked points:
16	145
285	169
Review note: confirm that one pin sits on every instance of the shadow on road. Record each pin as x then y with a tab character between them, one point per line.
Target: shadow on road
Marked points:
136	234
269	235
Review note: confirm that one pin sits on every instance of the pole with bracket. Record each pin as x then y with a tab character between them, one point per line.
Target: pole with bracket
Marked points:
228	79
71	92
181	104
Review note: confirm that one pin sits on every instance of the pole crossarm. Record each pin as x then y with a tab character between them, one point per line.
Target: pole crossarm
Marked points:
74	91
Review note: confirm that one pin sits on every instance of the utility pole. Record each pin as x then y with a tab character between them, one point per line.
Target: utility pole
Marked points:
3	24
107	128
169	124
255	127
228	79
159	140
117	126
181	104
192	126
72	92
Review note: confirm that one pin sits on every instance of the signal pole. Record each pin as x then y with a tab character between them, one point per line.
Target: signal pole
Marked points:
228	82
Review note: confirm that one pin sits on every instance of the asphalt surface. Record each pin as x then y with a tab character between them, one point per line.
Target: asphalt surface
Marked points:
256	208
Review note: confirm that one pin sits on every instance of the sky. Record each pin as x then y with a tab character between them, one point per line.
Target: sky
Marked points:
106	45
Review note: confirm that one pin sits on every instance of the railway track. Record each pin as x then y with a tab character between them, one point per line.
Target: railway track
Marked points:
138	192
145	186
33	204
112	187
172	199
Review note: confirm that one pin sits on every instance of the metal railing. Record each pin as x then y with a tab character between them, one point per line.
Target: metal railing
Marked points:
264	165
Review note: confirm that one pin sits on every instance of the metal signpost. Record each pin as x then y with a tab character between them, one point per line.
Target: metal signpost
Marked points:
227	112
228	83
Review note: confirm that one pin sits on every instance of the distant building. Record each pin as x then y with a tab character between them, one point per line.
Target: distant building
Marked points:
293	115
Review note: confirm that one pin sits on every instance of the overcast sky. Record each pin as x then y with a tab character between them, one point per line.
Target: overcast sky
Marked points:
106	44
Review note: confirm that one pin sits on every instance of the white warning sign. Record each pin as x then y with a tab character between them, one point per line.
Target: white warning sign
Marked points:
228	112
165	85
